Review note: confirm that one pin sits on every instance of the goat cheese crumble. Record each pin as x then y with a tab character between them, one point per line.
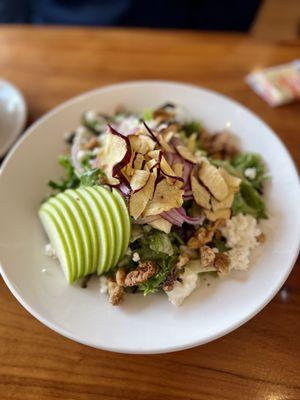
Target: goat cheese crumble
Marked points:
250	173
241	232
184	288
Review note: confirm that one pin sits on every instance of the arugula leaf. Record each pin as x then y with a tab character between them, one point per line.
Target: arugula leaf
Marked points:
71	181
248	201
153	284
251	160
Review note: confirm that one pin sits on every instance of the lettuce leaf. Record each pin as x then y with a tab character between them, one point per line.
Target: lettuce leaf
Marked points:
249	201
71	181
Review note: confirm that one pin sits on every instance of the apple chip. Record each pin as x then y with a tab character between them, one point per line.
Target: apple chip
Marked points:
185	153
165	168
155	154
165	198
191	143
161	224
139	179
138	161
213	180
164	144
201	195
139	200
231	180
226	203
151	164
114	156
224	213
178	169
141	143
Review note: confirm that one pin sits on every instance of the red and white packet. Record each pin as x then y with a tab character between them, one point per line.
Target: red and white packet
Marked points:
277	85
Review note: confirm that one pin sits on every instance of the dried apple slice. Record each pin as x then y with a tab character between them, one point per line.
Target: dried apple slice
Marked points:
178	170
141	143
139	200
185	153
159	139
224	213
139	179
114	156
213	180
165	198
226	203
161	224
231	180
201	195
138	160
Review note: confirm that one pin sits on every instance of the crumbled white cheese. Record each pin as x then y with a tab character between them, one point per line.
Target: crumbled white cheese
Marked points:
184	288
103	284
90	115
241	232
80	130
81	154
250	173
136	257
49	251
95	151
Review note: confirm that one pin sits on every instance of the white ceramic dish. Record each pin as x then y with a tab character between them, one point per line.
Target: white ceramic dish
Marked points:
13	114
151	324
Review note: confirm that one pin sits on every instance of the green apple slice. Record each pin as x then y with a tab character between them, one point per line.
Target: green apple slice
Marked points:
92	230
80	218
126	222
57	237
102	226
116	218
75	237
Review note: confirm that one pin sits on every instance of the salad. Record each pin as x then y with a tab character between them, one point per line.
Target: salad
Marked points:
153	202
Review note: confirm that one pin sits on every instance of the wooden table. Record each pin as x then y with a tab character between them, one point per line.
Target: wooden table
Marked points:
260	360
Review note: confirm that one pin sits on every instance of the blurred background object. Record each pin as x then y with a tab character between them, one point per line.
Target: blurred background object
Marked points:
229	15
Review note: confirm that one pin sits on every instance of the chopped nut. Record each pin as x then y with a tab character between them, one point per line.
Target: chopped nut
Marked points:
207	256
162	115
261	238
218	234
219	223
170	281
204	236
191	253
115	293
193	243
142	273
120	276
91	144
222	263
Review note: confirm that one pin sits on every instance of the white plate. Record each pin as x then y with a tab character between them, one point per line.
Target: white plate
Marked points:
151	324
13	112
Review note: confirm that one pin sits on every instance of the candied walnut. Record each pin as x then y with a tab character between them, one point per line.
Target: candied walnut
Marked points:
207	256
193	243
204	235
115	293
222	263
170	281
142	273
92	143
261	238
120	276
219	223
220	144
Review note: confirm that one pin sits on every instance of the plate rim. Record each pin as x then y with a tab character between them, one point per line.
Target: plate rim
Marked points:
157	350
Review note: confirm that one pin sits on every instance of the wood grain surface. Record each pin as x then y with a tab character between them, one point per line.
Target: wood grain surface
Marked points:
260	360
